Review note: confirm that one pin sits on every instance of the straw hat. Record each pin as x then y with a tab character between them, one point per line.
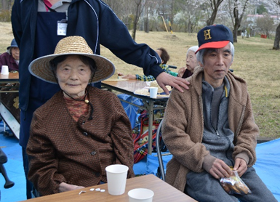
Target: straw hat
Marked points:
72	45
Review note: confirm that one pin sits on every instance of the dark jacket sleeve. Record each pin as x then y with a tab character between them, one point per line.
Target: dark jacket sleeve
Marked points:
3	60
115	36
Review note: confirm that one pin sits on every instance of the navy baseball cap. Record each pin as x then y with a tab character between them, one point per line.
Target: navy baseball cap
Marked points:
214	36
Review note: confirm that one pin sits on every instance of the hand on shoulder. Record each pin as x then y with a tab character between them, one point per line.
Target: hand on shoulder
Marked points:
164	79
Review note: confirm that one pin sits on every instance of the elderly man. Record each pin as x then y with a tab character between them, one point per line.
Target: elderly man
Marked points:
211	127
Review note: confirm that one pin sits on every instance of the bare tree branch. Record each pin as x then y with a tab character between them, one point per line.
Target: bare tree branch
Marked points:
215	6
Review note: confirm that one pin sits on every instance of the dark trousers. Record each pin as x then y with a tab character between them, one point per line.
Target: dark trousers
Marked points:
205	188
29	185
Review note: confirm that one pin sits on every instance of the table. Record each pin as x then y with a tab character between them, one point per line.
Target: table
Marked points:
163	192
11	78
129	87
7	86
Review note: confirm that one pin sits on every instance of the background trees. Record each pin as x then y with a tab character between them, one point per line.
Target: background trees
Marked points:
214	6
191	15
237	9
265	24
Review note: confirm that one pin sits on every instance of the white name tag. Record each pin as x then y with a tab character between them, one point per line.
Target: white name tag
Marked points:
61	28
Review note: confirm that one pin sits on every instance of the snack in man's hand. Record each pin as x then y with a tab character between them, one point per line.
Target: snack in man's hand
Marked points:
234	185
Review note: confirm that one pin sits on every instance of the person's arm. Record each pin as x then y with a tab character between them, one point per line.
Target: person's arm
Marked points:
130	76
2	61
115	36
165	67
172	73
245	147
121	136
144	78
42	160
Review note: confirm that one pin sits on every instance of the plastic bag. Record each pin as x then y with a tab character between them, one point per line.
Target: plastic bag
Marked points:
234	185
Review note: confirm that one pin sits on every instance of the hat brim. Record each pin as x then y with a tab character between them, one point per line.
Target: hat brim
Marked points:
215	44
11	47
41	69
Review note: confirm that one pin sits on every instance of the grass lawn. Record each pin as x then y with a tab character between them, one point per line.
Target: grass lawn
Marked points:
254	61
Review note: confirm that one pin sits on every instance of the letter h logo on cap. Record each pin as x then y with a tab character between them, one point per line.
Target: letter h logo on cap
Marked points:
207	34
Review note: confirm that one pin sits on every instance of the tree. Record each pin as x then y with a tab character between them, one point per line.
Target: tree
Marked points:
140	4
277	35
236	16
214	6
261	9
122	8
265	24
190	13
6	4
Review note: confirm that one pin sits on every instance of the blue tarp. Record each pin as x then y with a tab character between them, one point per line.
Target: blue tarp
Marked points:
131	111
267	165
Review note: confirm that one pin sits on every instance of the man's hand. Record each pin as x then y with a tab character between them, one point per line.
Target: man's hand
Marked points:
240	166
220	169
164	79
68	187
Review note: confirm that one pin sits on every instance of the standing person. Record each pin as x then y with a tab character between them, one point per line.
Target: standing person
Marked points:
163	54
38	25
191	63
11	57
87	134
211	127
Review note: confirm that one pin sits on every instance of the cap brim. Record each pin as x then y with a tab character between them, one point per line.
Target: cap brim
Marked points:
41	69
215	44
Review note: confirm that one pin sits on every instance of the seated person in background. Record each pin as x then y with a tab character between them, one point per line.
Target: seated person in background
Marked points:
163	54
191	63
11	57
210	127
81	129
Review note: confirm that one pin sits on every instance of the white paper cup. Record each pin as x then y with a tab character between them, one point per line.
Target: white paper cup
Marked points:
153	92
5	70
116	178
141	195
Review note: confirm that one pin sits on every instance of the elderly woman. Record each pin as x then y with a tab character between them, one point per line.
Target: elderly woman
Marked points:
81	129
191	63
11	57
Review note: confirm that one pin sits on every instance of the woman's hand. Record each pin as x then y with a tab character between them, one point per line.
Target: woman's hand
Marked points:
68	187
240	166
181	71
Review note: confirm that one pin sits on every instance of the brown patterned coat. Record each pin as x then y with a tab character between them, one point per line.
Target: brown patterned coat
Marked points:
62	150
